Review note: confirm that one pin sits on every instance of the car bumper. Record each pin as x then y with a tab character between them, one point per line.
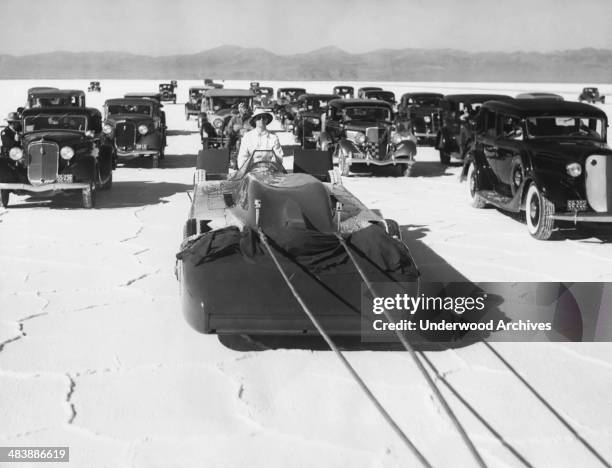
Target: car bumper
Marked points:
44	187
376	162
584	217
147	152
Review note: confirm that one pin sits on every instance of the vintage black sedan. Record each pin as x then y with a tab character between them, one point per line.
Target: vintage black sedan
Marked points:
286	105
344	92
591	95
362	133
218	105
264	98
166	90
211	84
192	106
310	115
381	95
456	129
361	91
540	95
59	150
548	158
94	86
135	127
423	112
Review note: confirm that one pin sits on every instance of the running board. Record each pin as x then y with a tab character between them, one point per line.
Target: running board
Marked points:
501	201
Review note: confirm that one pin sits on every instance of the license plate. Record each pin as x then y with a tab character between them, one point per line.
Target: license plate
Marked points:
141	146
64	178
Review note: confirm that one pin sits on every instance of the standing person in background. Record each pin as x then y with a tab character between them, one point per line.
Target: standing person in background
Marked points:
10	134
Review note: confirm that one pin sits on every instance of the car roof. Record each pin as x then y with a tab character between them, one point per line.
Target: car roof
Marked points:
380	91
198	88
469	98
37	89
344	103
423	95
539	95
57	92
87	111
218	92
344	87
292	89
544	107
143	95
306	96
132	100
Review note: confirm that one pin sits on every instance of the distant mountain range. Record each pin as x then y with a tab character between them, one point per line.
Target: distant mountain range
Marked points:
327	64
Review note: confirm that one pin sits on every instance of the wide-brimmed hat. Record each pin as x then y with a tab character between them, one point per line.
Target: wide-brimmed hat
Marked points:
12	117
267	116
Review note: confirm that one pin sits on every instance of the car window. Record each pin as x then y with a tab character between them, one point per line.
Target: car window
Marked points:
565	127
39	122
368	113
141	109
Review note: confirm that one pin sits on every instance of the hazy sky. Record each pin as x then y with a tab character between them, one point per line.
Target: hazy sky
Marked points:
162	27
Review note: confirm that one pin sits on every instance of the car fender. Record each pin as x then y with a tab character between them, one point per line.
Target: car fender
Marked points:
348	146
484	174
83	168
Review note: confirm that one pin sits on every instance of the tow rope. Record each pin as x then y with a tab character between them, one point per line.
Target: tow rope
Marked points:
417	361
343	360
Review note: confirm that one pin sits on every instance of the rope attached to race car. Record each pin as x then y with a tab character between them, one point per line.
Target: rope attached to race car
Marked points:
419	364
334	348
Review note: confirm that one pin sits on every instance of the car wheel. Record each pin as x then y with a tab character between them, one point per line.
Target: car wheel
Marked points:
475	200
444	157
4	198
88	197
539	212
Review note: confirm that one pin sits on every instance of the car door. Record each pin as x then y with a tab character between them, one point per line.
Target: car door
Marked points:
502	152
489	142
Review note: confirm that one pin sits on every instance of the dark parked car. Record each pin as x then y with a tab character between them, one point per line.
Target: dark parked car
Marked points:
591	95
286	105
345	92
212	84
174	84
381	95
456	131
166	90
549	158
53	97
192	106
362	133
216	110
135	127
539	95
59	150
264	98
309	118
361	91
94	86
423	113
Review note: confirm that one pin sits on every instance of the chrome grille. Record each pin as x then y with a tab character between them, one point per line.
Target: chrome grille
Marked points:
125	135
43	162
598	172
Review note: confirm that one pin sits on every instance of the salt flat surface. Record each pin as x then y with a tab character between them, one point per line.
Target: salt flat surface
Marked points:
95	354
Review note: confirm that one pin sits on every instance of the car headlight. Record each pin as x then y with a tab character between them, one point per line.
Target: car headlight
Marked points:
15	153
315	121
66	153
574	169
107	129
426	119
143	129
360	138
396	138
218	123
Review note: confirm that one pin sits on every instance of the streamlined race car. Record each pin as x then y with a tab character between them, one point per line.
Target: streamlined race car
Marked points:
245	231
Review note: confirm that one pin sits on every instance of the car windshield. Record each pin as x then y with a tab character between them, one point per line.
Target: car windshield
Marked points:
427	102
317	104
57	101
565	127
226	102
38	122
196	92
165	87
141	109
370	114
381	95
291	94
